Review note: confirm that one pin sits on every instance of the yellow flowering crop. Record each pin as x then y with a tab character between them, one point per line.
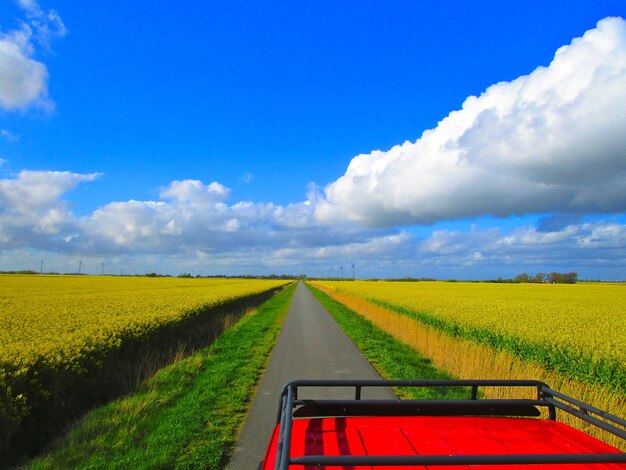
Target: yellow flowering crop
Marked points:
58	332
579	329
59	318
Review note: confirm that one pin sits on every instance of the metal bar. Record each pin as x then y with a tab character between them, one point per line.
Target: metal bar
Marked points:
326	408
552	413
357	392
474	392
280	406
542	395
590	419
519	459
604	414
280	443
418	383
423	403
285	439
290	396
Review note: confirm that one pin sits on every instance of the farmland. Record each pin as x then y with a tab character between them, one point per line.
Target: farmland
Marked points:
63	336
186	415
58	319
422	316
577	330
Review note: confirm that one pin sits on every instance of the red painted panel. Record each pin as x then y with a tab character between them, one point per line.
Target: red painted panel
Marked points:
428	435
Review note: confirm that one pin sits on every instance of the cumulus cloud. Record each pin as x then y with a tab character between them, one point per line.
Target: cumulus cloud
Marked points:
190	217
23	80
31	209
194	192
550	141
195	217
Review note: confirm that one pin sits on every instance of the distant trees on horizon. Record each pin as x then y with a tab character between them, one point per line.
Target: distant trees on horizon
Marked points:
552	278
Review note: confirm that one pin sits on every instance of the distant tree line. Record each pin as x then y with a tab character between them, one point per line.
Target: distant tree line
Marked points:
182	275
23	271
551	278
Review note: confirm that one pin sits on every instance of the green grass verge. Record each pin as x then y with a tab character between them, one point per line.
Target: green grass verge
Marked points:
188	415
610	374
391	358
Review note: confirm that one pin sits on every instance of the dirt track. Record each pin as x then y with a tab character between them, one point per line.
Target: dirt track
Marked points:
311	346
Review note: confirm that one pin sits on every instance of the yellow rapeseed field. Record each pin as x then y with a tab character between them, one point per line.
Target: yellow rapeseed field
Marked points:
59	318
68	342
466	359
586	318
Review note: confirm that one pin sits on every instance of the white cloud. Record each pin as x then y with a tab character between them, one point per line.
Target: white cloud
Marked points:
373	247
584	246
195	193
46	25
550	141
31	208
194	227
23	80
190	216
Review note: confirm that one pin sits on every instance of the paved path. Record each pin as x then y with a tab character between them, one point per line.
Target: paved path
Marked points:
310	346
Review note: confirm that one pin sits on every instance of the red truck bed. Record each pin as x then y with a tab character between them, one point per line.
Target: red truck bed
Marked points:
420	434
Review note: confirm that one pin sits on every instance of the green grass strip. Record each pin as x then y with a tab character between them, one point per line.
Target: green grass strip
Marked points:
188	415
391	358
610	374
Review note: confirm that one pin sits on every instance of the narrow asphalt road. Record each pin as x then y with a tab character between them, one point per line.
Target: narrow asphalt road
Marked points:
311	346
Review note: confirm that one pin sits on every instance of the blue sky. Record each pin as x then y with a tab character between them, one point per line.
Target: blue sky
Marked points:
269	137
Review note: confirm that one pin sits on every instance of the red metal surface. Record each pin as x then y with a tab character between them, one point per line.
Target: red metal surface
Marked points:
436	435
